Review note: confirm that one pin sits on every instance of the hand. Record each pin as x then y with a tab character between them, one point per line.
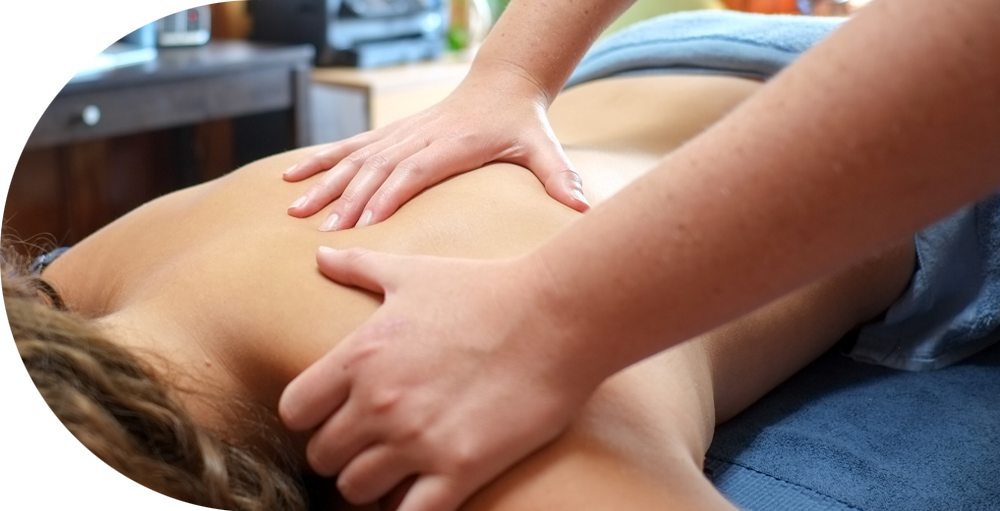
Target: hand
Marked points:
452	380
482	121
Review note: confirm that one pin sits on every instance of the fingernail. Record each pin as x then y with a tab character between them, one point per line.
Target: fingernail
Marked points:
578	195
290	169
298	202
327	250
366	218
330	224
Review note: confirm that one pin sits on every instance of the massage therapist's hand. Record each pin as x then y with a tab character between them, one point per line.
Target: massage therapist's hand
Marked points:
485	119
452	380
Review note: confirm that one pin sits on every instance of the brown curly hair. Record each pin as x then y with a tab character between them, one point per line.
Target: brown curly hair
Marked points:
122	410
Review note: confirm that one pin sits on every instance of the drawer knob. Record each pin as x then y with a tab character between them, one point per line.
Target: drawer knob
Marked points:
91	115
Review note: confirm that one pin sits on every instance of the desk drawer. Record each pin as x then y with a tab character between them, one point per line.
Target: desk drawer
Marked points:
107	113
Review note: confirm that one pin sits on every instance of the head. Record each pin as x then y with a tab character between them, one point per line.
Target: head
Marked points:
126	414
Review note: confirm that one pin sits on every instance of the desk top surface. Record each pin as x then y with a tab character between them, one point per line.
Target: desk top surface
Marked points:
214	58
449	69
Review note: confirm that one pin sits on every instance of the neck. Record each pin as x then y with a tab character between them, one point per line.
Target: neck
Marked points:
201	378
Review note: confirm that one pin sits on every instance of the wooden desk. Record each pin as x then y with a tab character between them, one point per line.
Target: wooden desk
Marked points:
183	86
348	101
111	141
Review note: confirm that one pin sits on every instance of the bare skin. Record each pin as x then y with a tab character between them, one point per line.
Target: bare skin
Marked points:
230	296
885	126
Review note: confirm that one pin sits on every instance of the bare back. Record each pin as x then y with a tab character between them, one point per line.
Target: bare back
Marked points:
224	268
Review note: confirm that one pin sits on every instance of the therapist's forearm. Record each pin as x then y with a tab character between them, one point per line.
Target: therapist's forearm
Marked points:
891	123
542	41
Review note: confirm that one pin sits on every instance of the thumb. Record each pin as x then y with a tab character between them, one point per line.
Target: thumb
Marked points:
358	267
562	182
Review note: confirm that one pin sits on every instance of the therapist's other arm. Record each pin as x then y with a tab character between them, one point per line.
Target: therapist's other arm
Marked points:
888	125
497	113
469	365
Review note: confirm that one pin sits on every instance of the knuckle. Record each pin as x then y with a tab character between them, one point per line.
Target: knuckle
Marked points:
562	177
329	152
408	430
362	352
386	401
377	162
411	433
328	180
569	173
409	169
422	132
354	254
357	158
349	198
462	457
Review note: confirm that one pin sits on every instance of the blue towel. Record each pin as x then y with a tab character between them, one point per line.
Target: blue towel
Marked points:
847	436
952	306
716	42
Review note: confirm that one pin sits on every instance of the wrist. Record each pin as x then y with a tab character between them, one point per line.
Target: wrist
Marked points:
556	327
499	75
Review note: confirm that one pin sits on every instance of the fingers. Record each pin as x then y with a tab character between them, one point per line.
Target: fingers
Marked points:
332	184
327	157
433	493
561	181
372	175
372	474
416	173
354	180
375	472
353	208
314	395
338	441
321	193
323	388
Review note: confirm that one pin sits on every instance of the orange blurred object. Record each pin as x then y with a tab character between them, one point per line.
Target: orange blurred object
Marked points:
764	6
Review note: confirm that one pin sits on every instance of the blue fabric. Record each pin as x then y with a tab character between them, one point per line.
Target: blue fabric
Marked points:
43	261
716	42
844	435
952	306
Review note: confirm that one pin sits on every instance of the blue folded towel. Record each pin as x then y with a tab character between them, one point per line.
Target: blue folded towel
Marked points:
717	42
952	307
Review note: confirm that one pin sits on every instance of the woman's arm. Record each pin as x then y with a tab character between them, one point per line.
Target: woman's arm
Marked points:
496	114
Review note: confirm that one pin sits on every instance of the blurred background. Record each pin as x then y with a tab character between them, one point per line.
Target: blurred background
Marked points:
57	195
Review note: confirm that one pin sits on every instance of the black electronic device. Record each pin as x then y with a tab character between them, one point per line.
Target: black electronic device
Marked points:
362	33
